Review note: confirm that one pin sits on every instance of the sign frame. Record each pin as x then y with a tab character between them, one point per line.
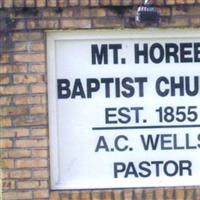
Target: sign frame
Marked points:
52	37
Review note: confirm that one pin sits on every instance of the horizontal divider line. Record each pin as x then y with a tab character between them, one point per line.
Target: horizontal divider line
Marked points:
145	127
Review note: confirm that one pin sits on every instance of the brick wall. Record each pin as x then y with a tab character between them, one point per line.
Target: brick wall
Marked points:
23	88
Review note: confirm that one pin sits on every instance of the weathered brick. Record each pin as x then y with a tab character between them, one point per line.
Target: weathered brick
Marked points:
4	79
39	194
21	132
30	3
26	36
104	2
19	153
31	143
4	173
180	193
5	101
29	100
31	163
21	68
31	184
62	3
107	23
85	195
8	164
75	195
127	195
189	193
5	122
40	174
39	88
33	120
23	195
39	153
14	132
8	4
98	12
41	3
170	2
29	57
14	89
96	195
20	24
6	143
127	2
13	110
28	78
84	12
8	184
54	196
38	68
116	2
159	194
76	23
73	2
19	3
5	69
165	11
51	3
21	46
4	58
67	12
38	109
20	174
37	46
38	132
195	22
84	2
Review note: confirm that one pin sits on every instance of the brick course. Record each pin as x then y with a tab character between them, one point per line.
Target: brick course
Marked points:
23	88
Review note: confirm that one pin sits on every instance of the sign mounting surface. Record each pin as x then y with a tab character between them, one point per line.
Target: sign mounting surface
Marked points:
124	108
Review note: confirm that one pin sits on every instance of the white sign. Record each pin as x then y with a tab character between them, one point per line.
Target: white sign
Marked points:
124	108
